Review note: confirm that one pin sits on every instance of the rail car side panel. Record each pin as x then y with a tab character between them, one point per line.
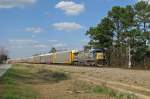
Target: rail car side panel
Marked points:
48	58
42	59
62	57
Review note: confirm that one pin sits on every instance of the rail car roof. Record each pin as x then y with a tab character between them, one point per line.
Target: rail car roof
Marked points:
73	51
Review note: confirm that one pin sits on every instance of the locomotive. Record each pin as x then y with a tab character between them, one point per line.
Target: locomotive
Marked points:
94	57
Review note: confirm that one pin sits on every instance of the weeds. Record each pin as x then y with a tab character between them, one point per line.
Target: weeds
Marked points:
51	76
17	82
81	86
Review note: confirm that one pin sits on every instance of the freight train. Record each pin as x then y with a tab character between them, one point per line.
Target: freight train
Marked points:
93	57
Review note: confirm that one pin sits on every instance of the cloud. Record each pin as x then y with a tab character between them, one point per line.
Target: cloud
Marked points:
40	46
35	30
15	3
33	44
145	0
22	43
57	43
70	7
67	26
60	45
52	41
27	43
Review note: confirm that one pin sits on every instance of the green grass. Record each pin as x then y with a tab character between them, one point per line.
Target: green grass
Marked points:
113	93
17	82
50	76
90	88
13	88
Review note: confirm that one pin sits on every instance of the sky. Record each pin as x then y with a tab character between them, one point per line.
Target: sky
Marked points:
29	27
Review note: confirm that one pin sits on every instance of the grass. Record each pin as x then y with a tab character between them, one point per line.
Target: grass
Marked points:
17	82
50	76
81	86
13	88
113	93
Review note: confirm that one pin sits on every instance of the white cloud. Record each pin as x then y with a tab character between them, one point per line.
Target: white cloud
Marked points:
67	26
60	45
34	29
26	43
40	46
15	3
52	41
145	0
70	7
57	43
22	43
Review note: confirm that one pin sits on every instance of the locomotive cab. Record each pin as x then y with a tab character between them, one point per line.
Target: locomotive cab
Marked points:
99	56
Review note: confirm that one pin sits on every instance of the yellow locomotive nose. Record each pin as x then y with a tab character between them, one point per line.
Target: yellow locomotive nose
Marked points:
99	56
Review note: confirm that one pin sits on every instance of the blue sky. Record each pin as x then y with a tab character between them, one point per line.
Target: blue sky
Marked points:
28	27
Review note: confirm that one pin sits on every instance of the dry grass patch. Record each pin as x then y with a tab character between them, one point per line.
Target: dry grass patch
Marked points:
25	81
17	82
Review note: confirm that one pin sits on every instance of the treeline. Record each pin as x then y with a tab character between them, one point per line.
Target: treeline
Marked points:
3	55
124	34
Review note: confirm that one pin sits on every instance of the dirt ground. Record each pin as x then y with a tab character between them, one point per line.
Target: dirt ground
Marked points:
132	81
130	77
33	81
65	90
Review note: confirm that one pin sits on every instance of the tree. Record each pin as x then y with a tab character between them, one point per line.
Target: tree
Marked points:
102	36
87	48
124	28
117	15
142	19
53	50
142	10
129	32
